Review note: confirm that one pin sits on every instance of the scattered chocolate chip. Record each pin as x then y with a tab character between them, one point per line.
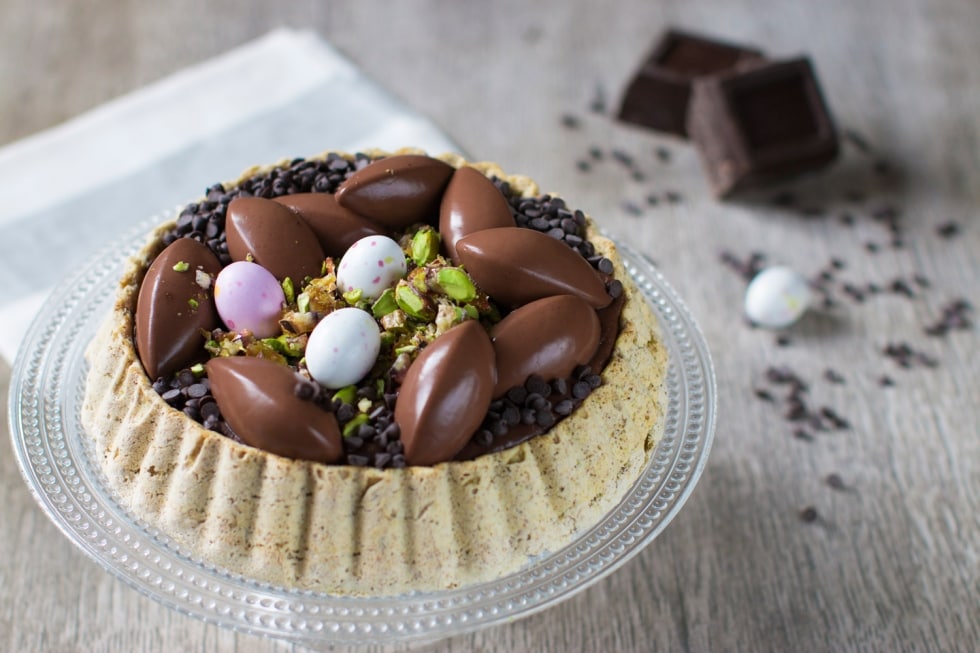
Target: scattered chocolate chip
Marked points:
808	515
833	376
632	208
956	316
886	381
835	481
663	154
948	229
802	434
570	121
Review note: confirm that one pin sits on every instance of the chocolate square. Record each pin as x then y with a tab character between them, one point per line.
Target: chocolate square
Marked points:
657	97
762	123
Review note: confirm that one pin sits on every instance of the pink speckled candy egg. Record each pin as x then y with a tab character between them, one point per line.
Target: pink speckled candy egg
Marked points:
371	264
247	296
343	347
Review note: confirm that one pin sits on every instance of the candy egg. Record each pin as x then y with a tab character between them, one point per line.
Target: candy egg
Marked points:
343	347
371	265
247	296
777	297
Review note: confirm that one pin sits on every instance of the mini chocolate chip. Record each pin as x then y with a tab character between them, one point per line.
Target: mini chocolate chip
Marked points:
605	266
835	481
511	415
528	416
537	385
517	395
545	419
615	288
172	396
581	390
809	515
564	407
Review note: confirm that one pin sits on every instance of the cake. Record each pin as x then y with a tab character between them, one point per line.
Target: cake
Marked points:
261	457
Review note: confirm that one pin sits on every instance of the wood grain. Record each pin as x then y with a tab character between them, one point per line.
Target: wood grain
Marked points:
891	561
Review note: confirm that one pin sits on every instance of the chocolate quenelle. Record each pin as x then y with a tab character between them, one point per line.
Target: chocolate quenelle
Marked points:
472	412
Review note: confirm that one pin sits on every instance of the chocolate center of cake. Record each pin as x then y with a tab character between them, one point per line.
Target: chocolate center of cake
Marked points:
385	312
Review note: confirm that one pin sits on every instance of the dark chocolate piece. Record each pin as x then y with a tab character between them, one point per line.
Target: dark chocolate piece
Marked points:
759	124
658	95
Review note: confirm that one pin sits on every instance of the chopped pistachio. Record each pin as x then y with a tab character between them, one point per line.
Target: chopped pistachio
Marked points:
181	266
303	303
425	245
193	303
397	320
407	349
457	284
350	428
347	394
413	303
288	290
384	304
197	369
353	296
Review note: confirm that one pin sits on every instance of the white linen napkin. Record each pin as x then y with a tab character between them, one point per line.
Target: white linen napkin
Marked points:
68	190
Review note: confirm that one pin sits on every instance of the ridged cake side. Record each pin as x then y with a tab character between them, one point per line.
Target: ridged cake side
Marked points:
363	531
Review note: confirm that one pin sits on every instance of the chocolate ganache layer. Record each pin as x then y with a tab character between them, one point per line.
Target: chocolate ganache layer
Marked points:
493	327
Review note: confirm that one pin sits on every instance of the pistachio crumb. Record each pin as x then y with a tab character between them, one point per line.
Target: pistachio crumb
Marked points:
181	266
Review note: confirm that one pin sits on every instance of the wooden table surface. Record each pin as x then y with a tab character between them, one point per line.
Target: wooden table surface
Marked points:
889	560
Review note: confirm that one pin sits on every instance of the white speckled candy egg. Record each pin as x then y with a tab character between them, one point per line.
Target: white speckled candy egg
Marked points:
343	347
247	296
777	297
371	264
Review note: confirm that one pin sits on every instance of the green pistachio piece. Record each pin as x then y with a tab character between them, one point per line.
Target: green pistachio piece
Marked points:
353	296
181	266
347	394
384	304
193	303
457	284
394	321
303	303
414	304
350	428
197	369
425	245
288	290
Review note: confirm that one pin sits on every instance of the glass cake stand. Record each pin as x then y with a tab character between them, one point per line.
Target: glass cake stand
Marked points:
57	460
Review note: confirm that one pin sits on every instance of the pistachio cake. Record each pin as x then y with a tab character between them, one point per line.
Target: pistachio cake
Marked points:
375	374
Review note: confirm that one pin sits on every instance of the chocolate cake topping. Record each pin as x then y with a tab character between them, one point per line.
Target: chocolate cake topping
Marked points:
335	227
562	268
397	191
258	398
471	203
274	237
446	394
516	266
549	337
174	306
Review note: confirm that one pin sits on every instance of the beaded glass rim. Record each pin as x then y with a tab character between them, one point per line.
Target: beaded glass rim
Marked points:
56	459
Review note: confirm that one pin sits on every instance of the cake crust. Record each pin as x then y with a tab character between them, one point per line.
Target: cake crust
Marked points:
362	531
